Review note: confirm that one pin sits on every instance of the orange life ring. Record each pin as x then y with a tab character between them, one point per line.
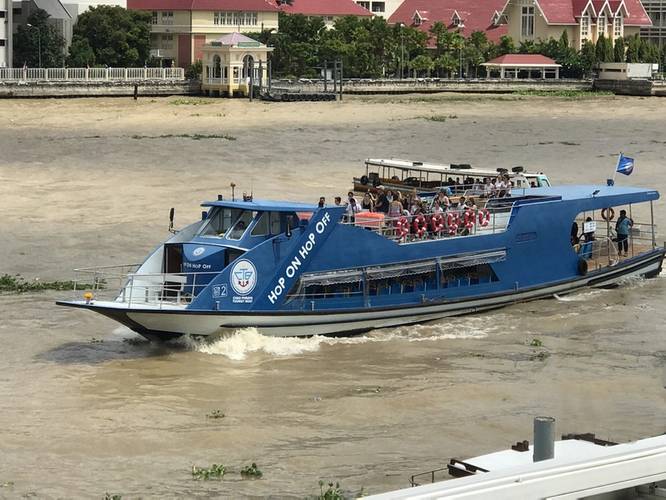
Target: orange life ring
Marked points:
484	217
608	214
437	223
402	227
452	221
419	225
469	219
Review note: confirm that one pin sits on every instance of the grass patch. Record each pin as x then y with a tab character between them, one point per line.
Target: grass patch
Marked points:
194	137
215	471
18	284
440	118
569	94
333	492
215	414
190	102
251	471
536	343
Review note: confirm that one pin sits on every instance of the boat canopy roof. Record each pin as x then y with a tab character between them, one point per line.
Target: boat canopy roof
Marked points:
451	169
616	195
262	205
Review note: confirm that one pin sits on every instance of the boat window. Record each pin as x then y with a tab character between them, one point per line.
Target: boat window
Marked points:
261	228
219	221
275	223
328	284
243	221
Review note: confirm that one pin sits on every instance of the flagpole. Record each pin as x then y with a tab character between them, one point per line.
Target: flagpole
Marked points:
619	157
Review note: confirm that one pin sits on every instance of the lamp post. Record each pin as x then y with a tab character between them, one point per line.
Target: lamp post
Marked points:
460	49
39	42
402	50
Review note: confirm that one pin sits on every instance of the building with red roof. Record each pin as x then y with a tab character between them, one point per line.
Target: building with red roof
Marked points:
581	19
329	10
522	65
180	28
467	16
382	8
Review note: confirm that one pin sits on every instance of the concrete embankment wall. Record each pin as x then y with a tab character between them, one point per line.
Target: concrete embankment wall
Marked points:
435	86
632	87
97	88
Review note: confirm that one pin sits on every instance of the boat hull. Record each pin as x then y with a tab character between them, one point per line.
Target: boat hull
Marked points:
156	324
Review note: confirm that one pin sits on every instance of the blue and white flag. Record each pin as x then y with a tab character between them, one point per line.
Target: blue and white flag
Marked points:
625	165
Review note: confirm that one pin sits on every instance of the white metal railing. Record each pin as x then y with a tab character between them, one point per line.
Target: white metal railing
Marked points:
122	284
90	74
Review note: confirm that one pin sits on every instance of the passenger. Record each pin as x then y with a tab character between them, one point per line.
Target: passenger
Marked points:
322	202
395	209
574	234
338	201
368	203
622	227
533	184
436	207
470	204
352	209
589	236
382	203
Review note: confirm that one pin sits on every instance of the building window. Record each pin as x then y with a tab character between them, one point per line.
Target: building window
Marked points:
527	24
378	7
2	43
417	20
17	11
2	14
584	28
167	42
601	25
365	5
235	18
618	26
167	17
153	19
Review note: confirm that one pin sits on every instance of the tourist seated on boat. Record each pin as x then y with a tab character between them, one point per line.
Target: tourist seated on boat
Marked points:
338	201
436	207
368	202
471	204
322	202
382	202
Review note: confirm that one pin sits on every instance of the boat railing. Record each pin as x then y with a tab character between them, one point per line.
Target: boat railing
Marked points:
122	284
454	222
600	252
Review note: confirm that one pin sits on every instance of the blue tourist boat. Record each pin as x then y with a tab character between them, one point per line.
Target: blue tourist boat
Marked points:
292	269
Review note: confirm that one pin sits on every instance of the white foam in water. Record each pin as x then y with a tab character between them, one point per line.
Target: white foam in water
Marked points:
123	331
248	340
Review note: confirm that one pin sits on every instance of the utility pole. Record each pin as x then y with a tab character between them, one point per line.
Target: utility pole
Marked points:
39	42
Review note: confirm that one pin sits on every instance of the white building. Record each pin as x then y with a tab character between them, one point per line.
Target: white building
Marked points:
5	33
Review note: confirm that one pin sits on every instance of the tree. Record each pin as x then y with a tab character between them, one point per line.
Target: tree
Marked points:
619	51
604	49
506	46
447	63
422	64
588	57
633	49
111	36
41	38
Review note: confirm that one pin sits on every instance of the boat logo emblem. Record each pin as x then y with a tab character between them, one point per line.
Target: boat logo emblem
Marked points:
198	251
243	277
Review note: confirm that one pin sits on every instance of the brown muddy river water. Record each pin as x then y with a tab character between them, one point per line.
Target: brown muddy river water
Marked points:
87	407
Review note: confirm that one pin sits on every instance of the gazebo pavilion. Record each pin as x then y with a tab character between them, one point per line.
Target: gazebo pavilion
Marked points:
228	63
523	66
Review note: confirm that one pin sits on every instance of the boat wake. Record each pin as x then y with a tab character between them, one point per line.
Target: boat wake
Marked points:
238	344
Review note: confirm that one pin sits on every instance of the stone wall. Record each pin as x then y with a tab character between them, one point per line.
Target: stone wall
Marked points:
97	89
630	87
434	85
